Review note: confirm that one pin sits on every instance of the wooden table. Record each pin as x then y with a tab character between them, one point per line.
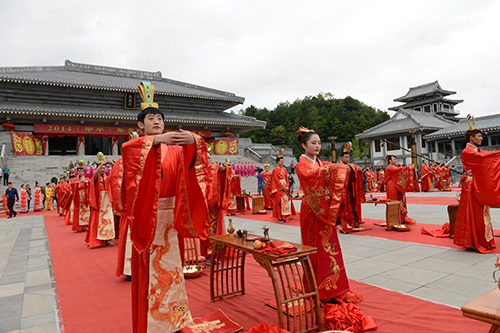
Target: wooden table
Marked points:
292	276
485	308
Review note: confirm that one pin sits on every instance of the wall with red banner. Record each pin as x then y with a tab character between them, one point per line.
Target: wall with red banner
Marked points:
26	144
61	130
224	146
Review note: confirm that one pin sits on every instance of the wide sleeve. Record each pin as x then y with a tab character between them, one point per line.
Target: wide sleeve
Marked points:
323	189
115	180
94	187
485	168
403	178
142	176
191	210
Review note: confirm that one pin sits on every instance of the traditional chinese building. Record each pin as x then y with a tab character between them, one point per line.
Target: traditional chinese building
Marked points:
450	141
403	135
429	98
80	109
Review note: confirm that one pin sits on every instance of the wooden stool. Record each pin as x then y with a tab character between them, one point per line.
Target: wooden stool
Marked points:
392	214
452	216
257	204
240	204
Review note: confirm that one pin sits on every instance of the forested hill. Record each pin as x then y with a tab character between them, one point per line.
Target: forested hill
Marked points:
328	116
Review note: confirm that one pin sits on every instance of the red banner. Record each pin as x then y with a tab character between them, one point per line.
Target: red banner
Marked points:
100	131
224	146
26	144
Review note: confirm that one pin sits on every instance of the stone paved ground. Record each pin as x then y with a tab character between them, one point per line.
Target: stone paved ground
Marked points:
442	275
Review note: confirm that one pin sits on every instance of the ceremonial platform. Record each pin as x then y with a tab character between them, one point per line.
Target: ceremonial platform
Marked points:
51	282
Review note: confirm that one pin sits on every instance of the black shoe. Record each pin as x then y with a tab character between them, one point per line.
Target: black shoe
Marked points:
207	262
9	217
108	243
129	278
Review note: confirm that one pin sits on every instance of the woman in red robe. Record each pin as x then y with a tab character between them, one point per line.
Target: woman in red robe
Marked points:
279	192
480	190
398	181
323	183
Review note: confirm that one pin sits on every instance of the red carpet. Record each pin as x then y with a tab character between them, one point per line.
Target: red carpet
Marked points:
412	236
93	299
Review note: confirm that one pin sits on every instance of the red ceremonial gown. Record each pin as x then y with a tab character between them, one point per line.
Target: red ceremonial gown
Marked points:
426	177
268	202
165	191
480	191
353	195
279	193
69	204
218	198
234	191
80	214
398	181
101	223
381	177
58	197
323	183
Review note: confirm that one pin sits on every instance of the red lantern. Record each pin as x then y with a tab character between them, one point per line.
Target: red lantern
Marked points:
227	134
8	126
23	205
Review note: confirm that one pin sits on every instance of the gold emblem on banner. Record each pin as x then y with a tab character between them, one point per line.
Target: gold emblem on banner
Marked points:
221	147
28	144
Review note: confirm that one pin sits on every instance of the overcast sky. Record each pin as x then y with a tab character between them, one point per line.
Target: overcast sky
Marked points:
273	51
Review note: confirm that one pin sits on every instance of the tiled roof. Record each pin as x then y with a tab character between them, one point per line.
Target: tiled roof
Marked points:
485	124
426	101
109	78
404	121
225	119
423	90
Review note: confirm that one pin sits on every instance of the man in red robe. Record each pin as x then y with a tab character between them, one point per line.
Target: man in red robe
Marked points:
279	191
101	223
480	191
426	174
398	181
165	177
218	189
437	175
349	214
268	203
80	214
